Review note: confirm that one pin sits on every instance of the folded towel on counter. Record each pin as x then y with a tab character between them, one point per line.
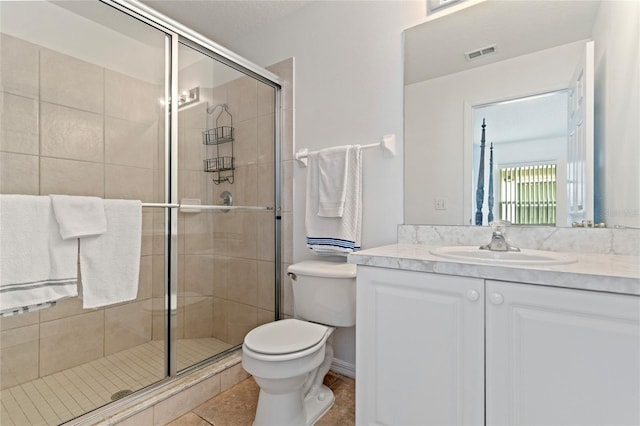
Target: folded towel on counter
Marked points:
79	216
36	264
110	263
333	175
330	236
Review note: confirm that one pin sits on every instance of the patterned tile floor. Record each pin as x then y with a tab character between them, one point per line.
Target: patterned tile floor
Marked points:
61	396
237	405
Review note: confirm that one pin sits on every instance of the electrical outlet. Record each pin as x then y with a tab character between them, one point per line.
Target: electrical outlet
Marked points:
440	204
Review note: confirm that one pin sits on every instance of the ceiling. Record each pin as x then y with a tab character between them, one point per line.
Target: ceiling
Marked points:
532	118
224	21
436	47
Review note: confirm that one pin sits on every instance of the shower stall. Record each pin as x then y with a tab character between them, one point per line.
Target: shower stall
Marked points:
109	99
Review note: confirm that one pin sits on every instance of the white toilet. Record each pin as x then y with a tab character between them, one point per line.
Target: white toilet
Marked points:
289	358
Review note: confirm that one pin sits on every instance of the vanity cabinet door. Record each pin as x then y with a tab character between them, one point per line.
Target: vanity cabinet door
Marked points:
419	348
561	357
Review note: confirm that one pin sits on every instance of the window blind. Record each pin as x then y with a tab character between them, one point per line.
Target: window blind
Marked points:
528	194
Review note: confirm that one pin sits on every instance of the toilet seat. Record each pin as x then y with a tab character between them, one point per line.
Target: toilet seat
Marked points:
285	337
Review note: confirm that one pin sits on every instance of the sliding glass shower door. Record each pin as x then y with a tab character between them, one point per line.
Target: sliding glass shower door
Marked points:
97	99
226	257
82	94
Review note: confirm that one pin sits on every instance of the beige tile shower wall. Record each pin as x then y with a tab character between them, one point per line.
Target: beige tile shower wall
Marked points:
229	257
195	245
19	116
71	127
244	241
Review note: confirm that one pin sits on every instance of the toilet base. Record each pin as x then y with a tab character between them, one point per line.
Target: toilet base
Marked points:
317	403
290	409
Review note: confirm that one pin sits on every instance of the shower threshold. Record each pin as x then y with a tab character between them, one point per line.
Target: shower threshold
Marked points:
62	396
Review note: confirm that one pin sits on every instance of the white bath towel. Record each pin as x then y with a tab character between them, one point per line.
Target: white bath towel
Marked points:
332	236
110	263
79	216
332	180
36	264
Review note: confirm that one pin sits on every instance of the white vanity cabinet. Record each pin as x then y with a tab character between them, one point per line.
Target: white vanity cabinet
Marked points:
558	356
419	348
554	356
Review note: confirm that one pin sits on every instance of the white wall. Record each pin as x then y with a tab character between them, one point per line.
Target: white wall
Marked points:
617	108
348	89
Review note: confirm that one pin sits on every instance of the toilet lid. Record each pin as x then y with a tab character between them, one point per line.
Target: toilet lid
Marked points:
285	336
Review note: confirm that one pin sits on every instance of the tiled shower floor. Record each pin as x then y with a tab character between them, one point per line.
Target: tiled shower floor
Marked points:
59	397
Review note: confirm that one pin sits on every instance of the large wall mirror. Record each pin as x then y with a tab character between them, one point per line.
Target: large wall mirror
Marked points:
527	68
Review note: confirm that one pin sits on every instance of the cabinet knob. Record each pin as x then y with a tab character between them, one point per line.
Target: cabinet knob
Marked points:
496	298
473	295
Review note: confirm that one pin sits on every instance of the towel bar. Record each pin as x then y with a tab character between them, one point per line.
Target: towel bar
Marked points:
387	143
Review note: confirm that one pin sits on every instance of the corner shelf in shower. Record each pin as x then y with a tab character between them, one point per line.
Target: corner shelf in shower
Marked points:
223	166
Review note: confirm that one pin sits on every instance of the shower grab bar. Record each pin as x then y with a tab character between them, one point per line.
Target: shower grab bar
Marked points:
387	143
204	207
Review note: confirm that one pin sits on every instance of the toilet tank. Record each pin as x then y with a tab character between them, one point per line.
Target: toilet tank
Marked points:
324	292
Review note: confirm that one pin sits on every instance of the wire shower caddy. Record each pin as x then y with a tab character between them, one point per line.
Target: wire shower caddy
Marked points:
223	166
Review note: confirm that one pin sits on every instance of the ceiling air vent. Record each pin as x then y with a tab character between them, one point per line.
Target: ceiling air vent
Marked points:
475	54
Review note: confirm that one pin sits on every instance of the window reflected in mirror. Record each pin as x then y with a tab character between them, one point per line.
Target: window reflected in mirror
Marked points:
525	158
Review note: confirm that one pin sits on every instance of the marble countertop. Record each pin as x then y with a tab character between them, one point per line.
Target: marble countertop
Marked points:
597	272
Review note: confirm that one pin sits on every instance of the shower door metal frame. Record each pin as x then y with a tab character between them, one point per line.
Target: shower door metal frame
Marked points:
177	33
181	34
277	207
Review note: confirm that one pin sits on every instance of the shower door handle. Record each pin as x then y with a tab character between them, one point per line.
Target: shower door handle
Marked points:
225	208
196	207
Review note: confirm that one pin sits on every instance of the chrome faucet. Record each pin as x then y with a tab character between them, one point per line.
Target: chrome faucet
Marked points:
499	237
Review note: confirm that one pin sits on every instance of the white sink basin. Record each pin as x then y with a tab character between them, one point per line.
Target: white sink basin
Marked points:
522	257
